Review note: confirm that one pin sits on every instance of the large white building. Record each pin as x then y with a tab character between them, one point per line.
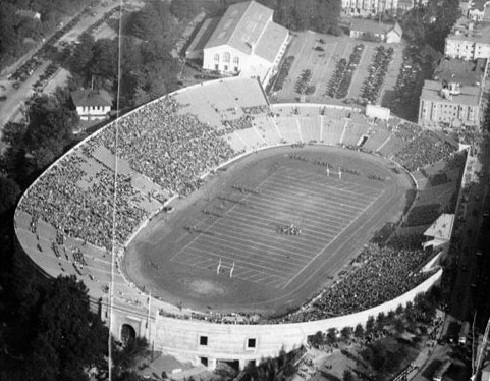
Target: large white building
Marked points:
246	41
468	40
453	98
373	7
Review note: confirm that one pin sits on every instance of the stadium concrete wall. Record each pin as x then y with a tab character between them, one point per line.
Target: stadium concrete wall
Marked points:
198	341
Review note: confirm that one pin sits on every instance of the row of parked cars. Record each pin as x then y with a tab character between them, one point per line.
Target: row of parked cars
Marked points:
28	67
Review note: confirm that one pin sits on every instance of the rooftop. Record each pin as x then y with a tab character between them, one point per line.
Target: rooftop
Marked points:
271	41
207	28
467	73
241	26
461	31
469	96
441	228
91	98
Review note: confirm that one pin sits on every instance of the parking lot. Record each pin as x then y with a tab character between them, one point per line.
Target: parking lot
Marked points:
312	60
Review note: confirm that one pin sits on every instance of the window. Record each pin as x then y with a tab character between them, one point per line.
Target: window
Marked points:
226	57
251	343
225	67
216	57
216	67
235	60
204	361
235	68
203	340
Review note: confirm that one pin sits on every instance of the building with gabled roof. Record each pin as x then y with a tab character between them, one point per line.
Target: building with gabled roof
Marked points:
27	13
362	28
246	41
91	104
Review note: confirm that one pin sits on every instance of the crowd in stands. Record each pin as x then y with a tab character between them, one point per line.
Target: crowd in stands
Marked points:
174	149
384	272
425	149
171	149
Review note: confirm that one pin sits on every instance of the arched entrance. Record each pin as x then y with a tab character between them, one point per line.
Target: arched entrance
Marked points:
127	335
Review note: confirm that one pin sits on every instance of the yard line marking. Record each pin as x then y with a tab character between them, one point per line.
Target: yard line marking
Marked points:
327	245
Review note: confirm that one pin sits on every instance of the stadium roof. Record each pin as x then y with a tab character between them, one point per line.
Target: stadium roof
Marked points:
441	228
91	98
242	26
466	73
469	96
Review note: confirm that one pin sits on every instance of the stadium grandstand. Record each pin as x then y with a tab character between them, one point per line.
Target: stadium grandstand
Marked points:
165	151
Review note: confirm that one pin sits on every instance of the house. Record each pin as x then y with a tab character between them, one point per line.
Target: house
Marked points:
245	41
91	104
375	30
28	14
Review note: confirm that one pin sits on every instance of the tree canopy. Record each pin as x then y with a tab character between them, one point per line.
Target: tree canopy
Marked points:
64	338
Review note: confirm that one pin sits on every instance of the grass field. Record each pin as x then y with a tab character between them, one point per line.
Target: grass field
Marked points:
236	218
247	234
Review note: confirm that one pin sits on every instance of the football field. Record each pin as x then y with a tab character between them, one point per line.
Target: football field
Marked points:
268	231
246	235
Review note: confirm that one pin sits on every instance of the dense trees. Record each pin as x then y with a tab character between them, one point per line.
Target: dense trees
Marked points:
317	15
51	334
32	147
430	24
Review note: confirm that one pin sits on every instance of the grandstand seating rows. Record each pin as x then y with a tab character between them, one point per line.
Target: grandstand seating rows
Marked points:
165	147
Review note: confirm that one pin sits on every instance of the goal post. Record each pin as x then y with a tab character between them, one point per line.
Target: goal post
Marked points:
226	269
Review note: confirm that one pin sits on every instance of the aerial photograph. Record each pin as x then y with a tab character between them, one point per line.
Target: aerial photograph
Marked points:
244	190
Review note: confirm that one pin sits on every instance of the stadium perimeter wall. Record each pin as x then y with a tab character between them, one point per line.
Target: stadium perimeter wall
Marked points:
231	342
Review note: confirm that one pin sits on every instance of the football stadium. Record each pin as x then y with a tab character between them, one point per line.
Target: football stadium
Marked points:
240	227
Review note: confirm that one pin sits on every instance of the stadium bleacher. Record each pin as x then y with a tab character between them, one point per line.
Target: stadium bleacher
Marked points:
64	219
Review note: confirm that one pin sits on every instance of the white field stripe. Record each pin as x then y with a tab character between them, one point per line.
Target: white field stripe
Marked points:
317	178
326	198
243	245
280	269
326	246
319	226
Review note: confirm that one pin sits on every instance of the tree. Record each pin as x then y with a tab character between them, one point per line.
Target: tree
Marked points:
346	333
359	332
82	55
55	335
9	192
185	9
370	325
347	376
104	58
10	41
317	339
331	336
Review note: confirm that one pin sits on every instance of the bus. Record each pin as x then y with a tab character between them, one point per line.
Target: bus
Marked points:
439	373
